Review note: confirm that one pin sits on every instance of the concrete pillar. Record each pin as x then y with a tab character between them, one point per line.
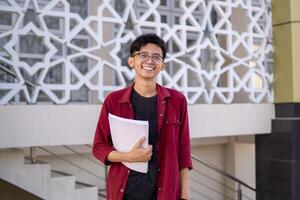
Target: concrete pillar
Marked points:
286	30
240	162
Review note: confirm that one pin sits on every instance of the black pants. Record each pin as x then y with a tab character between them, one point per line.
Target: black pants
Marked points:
129	198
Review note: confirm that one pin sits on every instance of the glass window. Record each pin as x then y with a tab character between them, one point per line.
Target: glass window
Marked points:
5	18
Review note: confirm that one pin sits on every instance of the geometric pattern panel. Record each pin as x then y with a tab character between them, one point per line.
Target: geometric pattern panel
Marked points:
219	51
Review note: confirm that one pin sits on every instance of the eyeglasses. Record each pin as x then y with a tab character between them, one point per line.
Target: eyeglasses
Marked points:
144	56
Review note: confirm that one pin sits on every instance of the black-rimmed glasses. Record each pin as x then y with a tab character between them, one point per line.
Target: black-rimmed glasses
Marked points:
144	56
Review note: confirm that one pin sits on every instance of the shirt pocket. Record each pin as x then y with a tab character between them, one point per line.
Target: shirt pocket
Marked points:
172	122
171	128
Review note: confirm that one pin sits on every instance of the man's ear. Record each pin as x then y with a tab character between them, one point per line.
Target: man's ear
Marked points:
130	61
163	66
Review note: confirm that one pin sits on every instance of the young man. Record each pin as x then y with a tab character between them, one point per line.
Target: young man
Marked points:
168	153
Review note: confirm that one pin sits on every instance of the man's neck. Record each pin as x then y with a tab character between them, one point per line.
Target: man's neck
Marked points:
145	88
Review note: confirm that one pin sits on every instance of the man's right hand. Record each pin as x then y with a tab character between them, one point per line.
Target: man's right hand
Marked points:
138	153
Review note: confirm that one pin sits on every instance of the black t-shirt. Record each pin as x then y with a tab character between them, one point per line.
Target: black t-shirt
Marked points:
141	186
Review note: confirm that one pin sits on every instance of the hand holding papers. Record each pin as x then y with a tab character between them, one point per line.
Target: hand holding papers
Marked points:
125	134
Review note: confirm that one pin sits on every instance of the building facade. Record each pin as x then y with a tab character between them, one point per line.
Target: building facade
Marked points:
60	58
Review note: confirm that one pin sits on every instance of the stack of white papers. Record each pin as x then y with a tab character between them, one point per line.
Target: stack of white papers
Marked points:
125	134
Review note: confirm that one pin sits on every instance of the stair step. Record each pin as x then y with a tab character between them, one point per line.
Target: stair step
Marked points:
87	193
40	180
62	188
78	184
102	193
55	173
31	178
37	178
10	161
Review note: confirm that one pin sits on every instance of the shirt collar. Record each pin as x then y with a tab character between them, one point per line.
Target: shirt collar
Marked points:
162	93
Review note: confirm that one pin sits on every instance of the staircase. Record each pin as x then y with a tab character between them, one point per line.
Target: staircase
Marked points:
52	182
39	180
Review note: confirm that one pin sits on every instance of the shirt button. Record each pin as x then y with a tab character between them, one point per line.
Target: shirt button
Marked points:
159	189
128	171
161	115
122	190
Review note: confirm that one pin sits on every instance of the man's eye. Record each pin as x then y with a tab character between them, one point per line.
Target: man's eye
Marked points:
143	56
157	58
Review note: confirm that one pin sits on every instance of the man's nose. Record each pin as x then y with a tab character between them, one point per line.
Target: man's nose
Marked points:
149	60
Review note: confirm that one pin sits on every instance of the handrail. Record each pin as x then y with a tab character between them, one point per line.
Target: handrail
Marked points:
60	157
203	162
220	171
210	188
214	180
218	182
199	193
82	155
28	83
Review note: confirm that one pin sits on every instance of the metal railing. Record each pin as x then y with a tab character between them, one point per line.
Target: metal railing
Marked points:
239	195
198	182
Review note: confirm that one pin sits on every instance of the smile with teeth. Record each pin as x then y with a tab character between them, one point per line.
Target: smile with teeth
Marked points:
148	68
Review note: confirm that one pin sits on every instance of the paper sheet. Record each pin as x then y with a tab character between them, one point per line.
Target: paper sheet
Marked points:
125	134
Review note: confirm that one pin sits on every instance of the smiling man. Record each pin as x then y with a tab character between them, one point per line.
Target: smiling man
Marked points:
169	153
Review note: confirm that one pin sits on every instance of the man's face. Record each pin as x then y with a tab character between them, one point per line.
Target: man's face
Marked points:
147	62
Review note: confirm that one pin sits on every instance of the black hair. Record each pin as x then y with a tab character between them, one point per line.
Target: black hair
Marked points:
145	39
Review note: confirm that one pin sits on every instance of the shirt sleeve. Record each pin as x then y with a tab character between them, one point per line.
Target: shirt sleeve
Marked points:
102	144
184	139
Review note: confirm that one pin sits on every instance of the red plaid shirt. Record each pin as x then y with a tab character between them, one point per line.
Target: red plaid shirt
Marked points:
173	146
